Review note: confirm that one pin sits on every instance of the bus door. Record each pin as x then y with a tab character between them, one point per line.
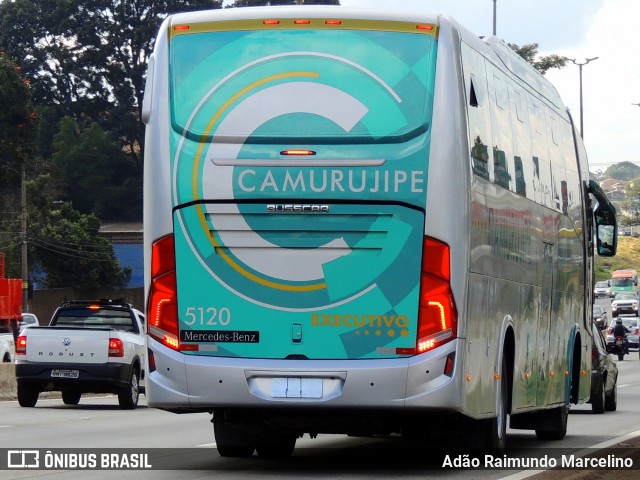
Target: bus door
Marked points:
544	339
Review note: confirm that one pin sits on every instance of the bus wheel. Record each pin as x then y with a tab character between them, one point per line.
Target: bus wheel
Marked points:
277	446
495	431
555	427
233	442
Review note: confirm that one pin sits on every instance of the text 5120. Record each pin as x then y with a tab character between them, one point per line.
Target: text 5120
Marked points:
207	316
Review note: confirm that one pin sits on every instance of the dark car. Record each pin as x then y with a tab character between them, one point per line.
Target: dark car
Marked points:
604	376
600	316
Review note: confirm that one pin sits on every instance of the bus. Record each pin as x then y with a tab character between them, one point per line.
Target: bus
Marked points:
366	223
624	281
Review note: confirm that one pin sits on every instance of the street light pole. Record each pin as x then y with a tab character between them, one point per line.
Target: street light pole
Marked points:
25	269
580	65
494	17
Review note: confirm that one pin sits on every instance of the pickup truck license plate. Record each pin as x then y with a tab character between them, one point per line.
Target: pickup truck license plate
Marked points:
65	373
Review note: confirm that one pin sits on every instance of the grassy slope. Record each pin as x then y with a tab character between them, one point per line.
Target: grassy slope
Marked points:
628	256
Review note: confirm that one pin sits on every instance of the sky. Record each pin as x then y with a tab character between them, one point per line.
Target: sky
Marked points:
578	29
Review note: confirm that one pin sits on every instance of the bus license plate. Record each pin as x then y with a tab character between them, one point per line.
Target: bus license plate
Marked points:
296	387
65	373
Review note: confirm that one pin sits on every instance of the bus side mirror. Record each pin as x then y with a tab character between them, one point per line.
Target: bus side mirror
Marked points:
606	243
606	230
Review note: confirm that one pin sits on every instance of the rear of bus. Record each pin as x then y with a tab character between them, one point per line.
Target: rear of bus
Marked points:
285	194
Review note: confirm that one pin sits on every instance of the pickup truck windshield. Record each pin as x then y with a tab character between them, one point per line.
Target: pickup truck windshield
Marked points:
95	318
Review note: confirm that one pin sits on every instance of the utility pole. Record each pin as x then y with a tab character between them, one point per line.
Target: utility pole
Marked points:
580	65
495	10
25	269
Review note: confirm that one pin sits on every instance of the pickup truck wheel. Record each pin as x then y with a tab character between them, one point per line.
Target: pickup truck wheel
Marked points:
128	396
71	397
598	400
27	394
611	401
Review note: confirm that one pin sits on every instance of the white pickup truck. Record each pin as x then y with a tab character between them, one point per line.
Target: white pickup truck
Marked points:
88	347
7	347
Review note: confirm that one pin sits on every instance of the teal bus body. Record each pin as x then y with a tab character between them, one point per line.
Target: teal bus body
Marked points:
344	274
355	215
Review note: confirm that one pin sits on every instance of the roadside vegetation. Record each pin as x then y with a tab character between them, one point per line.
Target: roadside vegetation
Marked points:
628	256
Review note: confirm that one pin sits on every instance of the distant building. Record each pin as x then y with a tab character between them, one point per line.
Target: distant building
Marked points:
615	189
127	239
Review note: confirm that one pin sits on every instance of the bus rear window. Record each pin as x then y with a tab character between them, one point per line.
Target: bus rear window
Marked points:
259	86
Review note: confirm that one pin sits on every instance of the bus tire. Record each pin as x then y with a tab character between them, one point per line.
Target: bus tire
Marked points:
233	442
277	446
556	424
495	430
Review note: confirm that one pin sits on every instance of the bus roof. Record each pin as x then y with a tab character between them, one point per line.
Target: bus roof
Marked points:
623	274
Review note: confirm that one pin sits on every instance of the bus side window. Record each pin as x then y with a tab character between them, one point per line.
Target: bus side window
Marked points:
478	111
502	136
523	165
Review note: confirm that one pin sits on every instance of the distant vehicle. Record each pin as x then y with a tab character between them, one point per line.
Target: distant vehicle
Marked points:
90	347
624	302
618	347
10	300
28	320
600	316
603	289
7	346
623	281
633	325
604	376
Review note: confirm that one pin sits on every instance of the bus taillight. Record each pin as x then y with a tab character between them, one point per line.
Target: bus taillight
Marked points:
437	319
163	306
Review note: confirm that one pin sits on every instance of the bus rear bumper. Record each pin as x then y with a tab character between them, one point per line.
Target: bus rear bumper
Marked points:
187	382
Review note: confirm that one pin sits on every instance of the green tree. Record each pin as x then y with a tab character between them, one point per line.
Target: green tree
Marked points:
95	173
68	249
17	121
88	57
623	171
17	133
541	63
632	203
